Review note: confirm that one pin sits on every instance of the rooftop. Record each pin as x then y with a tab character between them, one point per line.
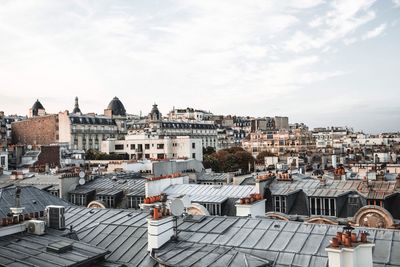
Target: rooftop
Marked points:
33	250
32	198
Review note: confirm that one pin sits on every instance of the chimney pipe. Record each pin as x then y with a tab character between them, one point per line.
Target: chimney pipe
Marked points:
346	251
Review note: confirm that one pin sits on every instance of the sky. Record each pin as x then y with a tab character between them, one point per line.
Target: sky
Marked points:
321	62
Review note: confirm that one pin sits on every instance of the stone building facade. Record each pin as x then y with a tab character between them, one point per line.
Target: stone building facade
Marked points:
76	130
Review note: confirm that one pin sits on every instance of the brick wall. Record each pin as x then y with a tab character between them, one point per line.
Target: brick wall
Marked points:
42	130
49	155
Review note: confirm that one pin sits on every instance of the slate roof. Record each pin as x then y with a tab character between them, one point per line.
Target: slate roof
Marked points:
93	120
335	188
214	177
283	243
131	186
123	233
117	107
187	125
220	241
31	250
32	198
211	191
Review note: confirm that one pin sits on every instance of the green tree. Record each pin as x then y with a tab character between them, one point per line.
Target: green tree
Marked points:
229	160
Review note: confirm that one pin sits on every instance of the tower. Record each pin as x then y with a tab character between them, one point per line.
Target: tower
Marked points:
76	107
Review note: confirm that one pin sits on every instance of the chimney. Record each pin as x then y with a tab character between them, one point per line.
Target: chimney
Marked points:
252	206
17	210
398	181
160	229
346	251
334	161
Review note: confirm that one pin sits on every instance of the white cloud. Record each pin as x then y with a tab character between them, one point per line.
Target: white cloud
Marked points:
341	21
374	32
180	52
396	3
349	41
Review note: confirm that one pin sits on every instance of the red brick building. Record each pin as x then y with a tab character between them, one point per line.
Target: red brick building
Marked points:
38	130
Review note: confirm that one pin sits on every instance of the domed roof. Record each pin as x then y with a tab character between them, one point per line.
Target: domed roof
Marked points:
37	105
155	110
35	108
155	114
117	107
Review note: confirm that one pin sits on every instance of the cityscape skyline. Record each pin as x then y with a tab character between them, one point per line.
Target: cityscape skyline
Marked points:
316	62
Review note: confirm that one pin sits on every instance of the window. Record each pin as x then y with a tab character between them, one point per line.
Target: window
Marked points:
134	202
78	199
109	200
193	145
194	155
146	146
213	209
133	146
3	161
322	206
160	156
119	147
147	156
160	146
280	204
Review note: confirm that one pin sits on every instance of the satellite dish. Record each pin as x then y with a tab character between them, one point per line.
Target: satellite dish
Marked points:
82	174
29	147
177	207
82	181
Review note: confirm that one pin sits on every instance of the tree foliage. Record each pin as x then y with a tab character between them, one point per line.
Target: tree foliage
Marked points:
229	160
208	150
96	155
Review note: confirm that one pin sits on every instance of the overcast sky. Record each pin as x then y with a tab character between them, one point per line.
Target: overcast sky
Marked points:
319	62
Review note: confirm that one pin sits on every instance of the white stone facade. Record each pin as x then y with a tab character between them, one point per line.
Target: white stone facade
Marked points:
143	145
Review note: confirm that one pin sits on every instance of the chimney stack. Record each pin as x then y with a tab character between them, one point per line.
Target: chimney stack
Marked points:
17	210
160	229
252	206
346	251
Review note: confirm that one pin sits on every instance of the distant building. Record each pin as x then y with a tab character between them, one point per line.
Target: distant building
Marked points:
3	132
153	146
37	109
278	142
269	123
3	160
189	114
155	124
78	131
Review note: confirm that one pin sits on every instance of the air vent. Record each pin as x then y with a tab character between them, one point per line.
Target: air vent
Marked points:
59	247
55	217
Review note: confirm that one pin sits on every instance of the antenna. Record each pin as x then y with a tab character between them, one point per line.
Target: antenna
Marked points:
177	209
82	178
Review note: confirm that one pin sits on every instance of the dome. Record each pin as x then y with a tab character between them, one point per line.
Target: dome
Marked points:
117	107
36	106
155	114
